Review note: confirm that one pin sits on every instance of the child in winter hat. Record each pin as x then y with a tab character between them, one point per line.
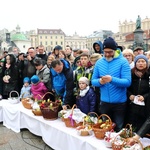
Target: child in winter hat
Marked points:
86	101
25	90
38	88
35	79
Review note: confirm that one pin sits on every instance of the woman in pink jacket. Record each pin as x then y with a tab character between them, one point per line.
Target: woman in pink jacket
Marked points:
38	89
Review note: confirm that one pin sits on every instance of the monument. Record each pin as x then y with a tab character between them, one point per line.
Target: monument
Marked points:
138	35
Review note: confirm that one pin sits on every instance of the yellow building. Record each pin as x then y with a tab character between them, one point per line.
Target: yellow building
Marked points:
49	38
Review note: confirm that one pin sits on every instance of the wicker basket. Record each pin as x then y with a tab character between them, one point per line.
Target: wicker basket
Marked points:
139	144
127	132
122	146
37	112
70	122
91	123
26	102
117	144
13	100
50	113
61	113
124	135
99	132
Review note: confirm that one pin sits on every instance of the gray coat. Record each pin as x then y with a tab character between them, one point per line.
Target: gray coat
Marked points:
44	75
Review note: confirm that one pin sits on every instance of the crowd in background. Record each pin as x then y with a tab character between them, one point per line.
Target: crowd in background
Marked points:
111	80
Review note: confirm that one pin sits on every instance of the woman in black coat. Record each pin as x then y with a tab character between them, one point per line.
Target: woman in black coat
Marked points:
10	76
138	93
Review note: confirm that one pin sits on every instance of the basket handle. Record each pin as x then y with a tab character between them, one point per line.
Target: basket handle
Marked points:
105	116
130	129
93	113
68	106
46	94
73	108
13	92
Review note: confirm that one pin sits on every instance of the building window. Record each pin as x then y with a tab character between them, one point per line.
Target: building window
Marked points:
45	42
41	43
61	43
61	37
51	43
45	37
56	43
51	37
56	37
40	37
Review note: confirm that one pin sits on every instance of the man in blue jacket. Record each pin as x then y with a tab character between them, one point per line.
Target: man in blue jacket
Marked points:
62	81
112	74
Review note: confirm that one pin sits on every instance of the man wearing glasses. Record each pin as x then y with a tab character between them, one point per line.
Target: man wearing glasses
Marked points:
112	75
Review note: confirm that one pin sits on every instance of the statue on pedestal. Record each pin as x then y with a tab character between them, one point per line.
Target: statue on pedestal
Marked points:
138	22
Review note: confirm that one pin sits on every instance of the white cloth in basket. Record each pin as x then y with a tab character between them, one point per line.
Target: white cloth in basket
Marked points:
77	116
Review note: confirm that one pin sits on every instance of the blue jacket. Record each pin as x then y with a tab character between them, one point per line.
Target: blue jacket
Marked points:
25	91
101	47
87	103
63	83
119	70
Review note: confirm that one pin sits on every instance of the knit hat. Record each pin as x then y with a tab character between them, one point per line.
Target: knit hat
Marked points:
110	43
141	56
58	47
84	79
26	79
35	79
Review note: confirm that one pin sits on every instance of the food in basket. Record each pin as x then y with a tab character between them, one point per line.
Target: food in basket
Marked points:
36	109
105	125
91	119
84	130
127	131
147	148
109	137
101	128
61	113
49	110
134	145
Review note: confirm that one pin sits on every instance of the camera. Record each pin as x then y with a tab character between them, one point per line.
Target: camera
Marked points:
25	55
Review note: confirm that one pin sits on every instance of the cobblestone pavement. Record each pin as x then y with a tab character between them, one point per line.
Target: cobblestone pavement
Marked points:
25	140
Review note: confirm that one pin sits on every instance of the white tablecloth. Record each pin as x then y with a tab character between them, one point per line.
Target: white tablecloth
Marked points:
54	133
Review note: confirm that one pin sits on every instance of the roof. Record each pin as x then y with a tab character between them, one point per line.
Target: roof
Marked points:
18	37
50	31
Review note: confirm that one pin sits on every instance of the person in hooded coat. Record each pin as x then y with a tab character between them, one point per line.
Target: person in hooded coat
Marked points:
98	47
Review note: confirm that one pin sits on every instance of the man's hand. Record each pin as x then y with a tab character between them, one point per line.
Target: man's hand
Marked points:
106	78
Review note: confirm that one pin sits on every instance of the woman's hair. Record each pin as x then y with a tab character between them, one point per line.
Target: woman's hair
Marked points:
63	52
39	61
128	51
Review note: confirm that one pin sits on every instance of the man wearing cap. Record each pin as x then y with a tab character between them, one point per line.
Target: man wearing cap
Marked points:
112	75
138	50
75	52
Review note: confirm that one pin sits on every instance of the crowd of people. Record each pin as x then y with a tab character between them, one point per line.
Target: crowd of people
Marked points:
110	81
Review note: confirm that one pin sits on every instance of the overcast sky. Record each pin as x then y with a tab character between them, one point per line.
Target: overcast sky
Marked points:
81	16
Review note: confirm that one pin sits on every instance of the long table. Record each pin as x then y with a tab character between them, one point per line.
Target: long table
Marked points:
54	133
